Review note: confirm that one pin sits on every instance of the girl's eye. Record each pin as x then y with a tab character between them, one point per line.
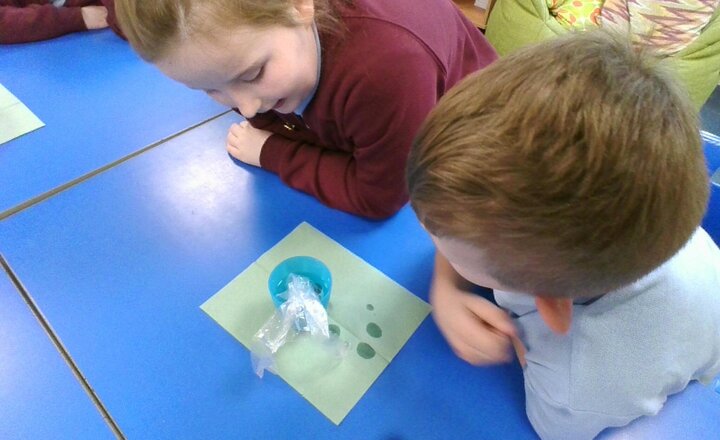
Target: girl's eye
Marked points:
257	76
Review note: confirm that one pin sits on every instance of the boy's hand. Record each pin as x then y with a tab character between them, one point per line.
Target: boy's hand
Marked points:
245	142
478	331
95	17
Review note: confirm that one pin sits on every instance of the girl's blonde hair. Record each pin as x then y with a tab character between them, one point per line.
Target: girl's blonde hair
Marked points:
153	27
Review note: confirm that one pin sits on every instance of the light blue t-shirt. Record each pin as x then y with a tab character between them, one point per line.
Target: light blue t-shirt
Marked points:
627	350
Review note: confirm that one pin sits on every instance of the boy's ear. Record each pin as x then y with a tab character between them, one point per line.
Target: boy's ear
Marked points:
305	10
556	312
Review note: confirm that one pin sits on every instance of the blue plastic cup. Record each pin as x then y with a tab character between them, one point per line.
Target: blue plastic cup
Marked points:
308	267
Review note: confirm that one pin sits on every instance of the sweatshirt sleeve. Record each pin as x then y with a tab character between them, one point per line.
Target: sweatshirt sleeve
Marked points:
382	98
38	22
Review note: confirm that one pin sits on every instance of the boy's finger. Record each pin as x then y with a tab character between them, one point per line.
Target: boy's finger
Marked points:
491	314
482	354
480	337
520	351
469	353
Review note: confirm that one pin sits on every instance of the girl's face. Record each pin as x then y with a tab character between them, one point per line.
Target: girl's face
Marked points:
253	69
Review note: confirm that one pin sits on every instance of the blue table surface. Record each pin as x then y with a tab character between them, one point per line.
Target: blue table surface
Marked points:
120	264
39	396
99	102
711	222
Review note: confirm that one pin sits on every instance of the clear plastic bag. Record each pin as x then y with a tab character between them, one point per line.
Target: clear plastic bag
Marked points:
302	312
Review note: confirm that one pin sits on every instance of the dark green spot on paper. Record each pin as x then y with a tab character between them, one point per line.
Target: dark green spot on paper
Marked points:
334	329
374	330
370	307
365	351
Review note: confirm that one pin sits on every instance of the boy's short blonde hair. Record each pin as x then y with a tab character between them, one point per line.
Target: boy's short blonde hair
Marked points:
576	166
153	27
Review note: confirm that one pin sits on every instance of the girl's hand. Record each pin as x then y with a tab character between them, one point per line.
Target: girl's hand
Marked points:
95	17
245	142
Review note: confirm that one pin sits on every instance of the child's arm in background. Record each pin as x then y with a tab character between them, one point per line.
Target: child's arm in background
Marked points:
478	331
41	22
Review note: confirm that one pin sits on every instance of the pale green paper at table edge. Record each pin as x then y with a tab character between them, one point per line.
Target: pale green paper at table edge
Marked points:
15	118
244	305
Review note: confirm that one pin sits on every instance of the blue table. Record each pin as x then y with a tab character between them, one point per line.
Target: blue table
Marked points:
120	264
39	396
712	218
99	103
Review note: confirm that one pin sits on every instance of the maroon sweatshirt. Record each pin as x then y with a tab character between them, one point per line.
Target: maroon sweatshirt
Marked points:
23	21
379	79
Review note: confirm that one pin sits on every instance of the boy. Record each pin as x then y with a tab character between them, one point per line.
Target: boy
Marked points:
570	178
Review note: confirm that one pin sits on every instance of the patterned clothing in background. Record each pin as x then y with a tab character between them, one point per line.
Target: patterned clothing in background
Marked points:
576	14
667	26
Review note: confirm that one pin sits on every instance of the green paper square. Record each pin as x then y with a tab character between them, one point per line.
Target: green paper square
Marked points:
15	118
244	305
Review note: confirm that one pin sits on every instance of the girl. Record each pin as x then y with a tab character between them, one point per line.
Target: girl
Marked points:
333	91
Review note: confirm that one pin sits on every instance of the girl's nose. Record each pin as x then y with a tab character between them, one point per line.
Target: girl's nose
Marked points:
247	105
